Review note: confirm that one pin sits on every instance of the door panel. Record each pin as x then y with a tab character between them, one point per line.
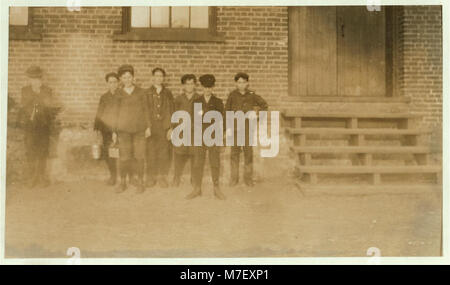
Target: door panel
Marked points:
361	52
337	51
313	51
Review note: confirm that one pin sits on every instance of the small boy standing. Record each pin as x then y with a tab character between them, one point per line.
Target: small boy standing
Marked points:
243	99
161	107
209	102
185	102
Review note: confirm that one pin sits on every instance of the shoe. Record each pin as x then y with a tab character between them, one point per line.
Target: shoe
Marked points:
134	181
150	182
195	193
249	183
176	182
111	181
219	195
140	188
163	182
234	182
122	187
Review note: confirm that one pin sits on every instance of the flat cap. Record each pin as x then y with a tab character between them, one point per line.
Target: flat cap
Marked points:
34	72
125	68
207	80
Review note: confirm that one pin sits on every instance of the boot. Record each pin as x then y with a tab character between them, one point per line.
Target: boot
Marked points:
123	185
112	171
150	182
140	187
195	193
219	195
163	182
124	169
111	181
176	181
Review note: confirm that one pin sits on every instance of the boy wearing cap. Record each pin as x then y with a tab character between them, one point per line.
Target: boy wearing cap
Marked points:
37	117
104	122
130	128
243	99
161	107
209	102
184	102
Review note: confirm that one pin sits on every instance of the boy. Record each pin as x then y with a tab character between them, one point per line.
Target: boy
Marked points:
160	104
243	99
104	121
131	127
185	102
37	116
209	102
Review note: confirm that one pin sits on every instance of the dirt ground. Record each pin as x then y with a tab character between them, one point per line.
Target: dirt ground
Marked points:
270	220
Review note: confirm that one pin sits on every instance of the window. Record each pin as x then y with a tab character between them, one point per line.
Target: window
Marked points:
163	23
20	24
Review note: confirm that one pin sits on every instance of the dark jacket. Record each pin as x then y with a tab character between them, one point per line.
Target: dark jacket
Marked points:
161	107
132	111
38	110
214	104
106	112
182	103
245	102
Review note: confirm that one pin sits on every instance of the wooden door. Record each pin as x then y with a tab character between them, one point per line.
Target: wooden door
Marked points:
337	51
361	43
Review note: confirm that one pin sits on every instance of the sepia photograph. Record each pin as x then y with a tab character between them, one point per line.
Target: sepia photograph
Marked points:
223	131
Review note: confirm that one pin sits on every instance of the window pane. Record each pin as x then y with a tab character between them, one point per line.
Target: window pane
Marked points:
18	16
160	17
199	17
180	17
140	17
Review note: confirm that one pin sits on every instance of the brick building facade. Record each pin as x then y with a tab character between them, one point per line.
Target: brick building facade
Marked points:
77	48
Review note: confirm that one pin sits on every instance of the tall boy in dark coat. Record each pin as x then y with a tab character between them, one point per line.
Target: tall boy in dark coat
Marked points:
37	117
104	120
185	102
161	107
243	99
131	127
209	103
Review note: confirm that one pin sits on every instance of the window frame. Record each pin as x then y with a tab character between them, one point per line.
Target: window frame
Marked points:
25	32
209	34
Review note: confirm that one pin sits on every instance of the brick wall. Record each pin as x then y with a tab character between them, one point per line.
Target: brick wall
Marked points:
421	51
77	49
420	33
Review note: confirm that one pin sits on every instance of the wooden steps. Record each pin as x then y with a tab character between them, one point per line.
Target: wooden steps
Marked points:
363	169
296	114
346	131
364	189
361	153
361	149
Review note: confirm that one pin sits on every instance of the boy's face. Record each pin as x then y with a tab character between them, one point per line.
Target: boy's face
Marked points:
113	83
36	83
207	91
189	86
127	79
241	84
158	78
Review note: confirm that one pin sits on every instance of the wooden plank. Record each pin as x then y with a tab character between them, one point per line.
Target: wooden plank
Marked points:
421	158
365	189
360	52
300	113
384	169
346	131
361	149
